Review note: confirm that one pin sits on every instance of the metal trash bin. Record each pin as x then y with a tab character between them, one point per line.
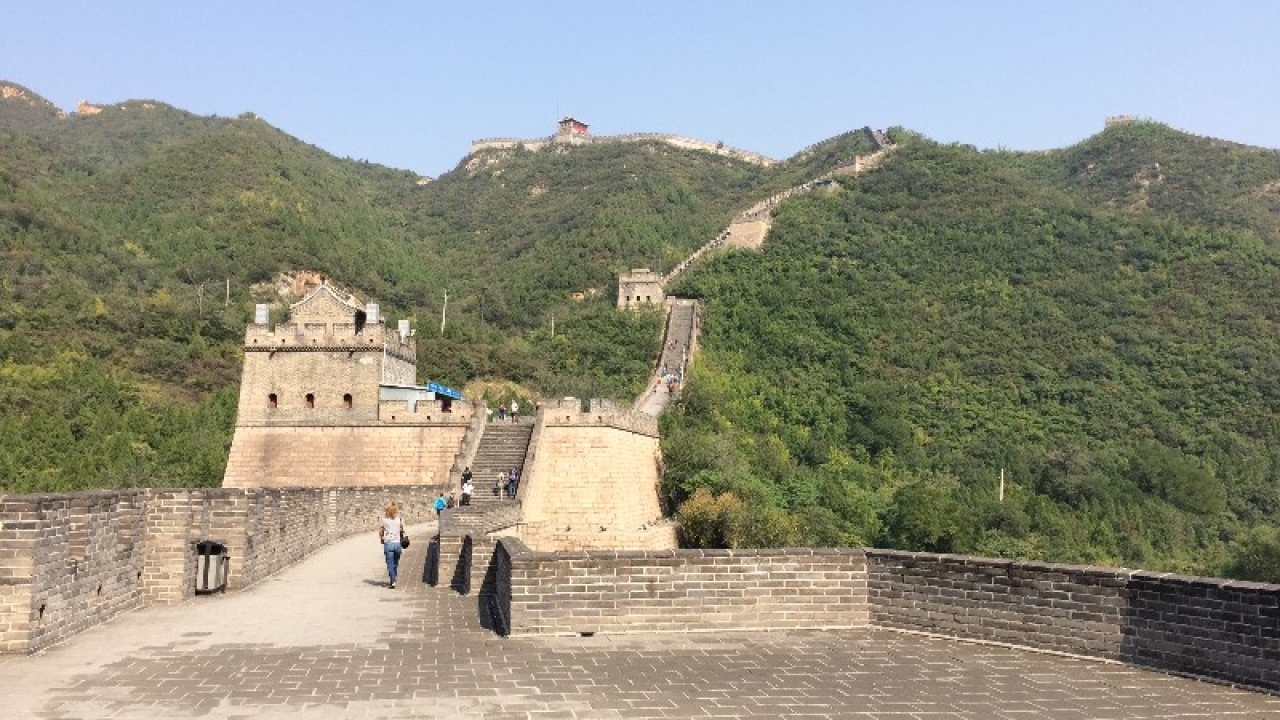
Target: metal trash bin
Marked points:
212	566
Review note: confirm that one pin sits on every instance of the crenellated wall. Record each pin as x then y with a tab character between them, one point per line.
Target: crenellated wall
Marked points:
71	561
679	141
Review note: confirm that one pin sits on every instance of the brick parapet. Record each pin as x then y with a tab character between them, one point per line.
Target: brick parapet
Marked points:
1052	607
568	412
71	561
480	519
477	421
1225	630
574	592
326	336
81	558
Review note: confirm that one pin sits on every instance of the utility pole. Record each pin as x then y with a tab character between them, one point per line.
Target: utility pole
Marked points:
553	326
444	309
1001	484
227	301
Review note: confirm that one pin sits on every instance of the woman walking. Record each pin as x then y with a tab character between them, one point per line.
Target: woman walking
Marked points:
389	534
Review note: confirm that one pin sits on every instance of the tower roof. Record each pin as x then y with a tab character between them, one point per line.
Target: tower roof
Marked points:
325	302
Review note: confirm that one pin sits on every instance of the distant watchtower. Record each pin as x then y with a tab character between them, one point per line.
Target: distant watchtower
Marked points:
571	126
638	288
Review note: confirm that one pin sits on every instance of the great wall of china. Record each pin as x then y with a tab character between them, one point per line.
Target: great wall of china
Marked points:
582	549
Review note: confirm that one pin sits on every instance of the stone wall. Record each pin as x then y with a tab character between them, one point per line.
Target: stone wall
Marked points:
680	590
679	141
336	456
592	480
69	562
1220	629
1052	607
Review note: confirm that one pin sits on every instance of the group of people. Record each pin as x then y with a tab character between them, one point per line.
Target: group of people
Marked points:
512	412
508	482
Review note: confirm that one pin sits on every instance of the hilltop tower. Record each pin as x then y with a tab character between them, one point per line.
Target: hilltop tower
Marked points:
571	126
640	287
329	397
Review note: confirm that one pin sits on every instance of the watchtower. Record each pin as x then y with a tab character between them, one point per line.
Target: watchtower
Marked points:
640	287
571	126
325	365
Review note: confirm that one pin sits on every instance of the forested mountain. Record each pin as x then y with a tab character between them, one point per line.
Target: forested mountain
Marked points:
1100	322
132	241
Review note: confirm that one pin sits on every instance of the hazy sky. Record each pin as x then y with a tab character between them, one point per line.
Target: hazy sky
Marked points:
410	84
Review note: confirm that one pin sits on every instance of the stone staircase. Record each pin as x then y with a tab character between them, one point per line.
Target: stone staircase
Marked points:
681	318
502	447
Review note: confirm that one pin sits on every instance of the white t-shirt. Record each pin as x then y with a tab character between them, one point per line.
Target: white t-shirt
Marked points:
391	529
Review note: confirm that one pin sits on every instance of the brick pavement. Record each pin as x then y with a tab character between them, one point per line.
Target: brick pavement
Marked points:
327	639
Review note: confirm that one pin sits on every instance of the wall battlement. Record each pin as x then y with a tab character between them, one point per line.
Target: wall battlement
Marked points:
304	337
679	141
569	412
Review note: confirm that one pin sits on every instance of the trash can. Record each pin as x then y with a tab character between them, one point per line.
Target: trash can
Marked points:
212	564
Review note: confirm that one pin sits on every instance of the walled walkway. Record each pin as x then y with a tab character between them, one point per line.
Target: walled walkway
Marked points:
327	639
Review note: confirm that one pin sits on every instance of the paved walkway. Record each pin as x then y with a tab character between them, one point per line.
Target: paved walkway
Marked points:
328	639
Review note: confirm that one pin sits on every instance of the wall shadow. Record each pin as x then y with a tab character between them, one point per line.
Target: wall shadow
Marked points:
494	599
461	581
431	568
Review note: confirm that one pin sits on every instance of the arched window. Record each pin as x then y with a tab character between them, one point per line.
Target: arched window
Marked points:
311	401
346	401
272	401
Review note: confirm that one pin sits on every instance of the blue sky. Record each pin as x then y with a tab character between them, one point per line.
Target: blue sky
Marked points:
410	84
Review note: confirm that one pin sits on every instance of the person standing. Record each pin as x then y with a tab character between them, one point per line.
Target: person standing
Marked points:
466	476
515	411
389	535
467	489
439	505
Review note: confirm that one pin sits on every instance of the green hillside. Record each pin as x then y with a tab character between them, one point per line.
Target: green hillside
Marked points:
1100	321
131	242
897	343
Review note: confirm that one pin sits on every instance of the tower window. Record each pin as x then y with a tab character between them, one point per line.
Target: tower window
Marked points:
272	401
346	401
311	401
